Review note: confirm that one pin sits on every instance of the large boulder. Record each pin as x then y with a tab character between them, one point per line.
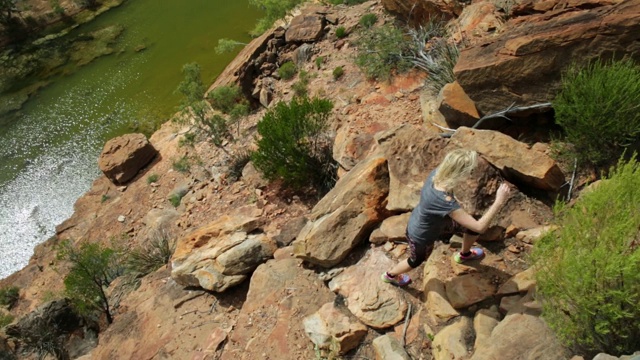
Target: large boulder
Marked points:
270	324
524	65
412	153
516	160
123	157
346	215
521	336
223	253
375	303
305	28
334	329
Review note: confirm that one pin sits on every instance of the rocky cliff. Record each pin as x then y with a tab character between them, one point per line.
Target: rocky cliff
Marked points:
261	272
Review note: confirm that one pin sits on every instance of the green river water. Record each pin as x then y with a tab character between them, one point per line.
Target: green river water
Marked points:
49	149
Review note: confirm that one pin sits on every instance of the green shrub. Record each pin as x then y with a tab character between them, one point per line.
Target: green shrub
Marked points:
319	61
300	87
341	32
9	296
93	268
188	139
368	20
273	10
5	319
338	72
597	109
293	146
588	276
175	199
287	70
382	50
192	90
151	256
152	178
225	98
182	165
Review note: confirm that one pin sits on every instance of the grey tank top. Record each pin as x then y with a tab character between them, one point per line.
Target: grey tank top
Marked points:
429	217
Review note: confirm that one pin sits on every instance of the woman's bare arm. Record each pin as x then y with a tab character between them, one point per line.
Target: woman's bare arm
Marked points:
480	226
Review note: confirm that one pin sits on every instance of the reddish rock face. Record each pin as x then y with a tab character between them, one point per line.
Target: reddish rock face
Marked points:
124	156
305	28
417	12
524	65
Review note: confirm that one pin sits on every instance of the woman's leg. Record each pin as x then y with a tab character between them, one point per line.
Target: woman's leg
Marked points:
468	239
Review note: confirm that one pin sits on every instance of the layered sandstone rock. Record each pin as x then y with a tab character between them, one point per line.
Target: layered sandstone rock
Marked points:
524	65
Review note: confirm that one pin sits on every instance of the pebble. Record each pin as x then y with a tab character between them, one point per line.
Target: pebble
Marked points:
121	218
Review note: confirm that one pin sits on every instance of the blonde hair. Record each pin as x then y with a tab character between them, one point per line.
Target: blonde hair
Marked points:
457	165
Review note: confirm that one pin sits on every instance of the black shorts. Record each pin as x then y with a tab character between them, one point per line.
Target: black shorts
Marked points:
420	251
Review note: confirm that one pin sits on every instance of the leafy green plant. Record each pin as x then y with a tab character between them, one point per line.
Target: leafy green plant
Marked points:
104	198
319	61
293	146
338	72
587	271
287	70
225	98
273	10
182	165
597	108
300	87
341	32
383	50
368	20
175	199
5	319
152	255
227	45
192	90
93	268
152	178
9	296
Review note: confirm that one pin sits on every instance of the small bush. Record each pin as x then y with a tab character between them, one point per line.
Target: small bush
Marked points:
300	87
319	61
9	296
287	70
152	255
152	178
175	199
341	32
338	72
225	98
104	198
368	20
5	319
587	272
437	58
382	50
598	109
293	146
217	128
182	165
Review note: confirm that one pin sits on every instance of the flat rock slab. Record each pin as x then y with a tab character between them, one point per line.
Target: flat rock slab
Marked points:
466	290
377	304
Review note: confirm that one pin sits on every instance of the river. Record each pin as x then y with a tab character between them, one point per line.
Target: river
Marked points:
49	149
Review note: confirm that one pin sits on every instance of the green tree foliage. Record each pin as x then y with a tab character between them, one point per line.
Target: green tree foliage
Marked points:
598	109
93	268
383	50
227	45
9	295
588	276
273	10
192	90
226	98
293	146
